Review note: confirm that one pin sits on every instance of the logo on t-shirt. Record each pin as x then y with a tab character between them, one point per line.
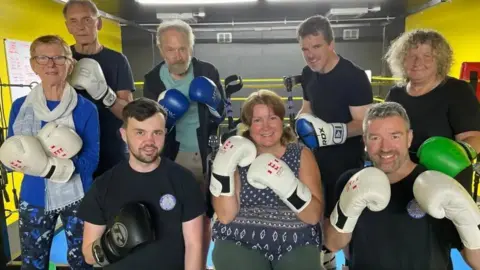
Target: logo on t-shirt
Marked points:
414	210
167	202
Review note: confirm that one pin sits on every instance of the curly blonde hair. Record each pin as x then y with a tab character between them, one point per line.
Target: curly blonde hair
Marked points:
398	50
273	101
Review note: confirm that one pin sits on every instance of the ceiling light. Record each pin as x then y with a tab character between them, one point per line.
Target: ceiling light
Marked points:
192	2
187	17
291	1
348	11
352	11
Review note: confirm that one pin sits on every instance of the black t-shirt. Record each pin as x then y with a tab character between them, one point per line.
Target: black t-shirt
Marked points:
449	109
402	236
330	96
121	185
118	75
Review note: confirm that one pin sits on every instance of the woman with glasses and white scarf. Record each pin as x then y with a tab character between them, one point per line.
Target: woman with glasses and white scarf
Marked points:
53	139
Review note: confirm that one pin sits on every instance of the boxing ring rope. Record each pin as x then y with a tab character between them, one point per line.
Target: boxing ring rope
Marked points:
254	83
376	99
5	256
280	80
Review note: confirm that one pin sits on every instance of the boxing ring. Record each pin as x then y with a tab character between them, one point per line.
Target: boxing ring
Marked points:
288	85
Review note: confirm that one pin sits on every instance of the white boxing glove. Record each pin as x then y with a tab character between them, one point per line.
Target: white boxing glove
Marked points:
88	75
327	133
236	151
59	141
25	154
370	188
270	171
441	196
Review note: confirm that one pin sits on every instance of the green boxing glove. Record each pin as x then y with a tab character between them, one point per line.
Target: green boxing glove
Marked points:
446	155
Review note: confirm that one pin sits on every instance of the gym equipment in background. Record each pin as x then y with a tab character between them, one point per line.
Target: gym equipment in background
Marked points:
469	72
290	82
233	84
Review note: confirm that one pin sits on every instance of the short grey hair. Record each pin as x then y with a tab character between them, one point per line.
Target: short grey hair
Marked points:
179	26
316	25
384	110
51	39
88	3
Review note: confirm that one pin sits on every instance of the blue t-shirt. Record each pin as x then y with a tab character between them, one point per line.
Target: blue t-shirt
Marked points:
186	127
85	119
118	75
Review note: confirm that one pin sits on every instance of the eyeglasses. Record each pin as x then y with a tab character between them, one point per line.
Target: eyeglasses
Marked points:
43	60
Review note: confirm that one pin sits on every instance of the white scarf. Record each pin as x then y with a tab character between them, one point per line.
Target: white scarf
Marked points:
28	122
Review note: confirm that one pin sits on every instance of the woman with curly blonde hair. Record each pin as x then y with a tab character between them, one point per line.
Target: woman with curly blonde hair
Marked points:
444	111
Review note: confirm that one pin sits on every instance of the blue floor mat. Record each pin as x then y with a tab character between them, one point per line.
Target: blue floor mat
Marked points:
58	254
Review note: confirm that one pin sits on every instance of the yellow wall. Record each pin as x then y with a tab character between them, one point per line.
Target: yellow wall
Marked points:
458	22
26	20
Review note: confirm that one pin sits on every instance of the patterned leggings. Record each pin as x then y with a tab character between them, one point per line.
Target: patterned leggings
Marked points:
36	234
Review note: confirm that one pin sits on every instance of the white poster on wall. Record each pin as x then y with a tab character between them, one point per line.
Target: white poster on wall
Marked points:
18	66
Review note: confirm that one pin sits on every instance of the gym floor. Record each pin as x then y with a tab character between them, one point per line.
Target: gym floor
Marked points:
59	254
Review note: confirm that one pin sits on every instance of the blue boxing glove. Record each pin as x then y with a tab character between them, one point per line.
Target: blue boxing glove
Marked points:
306	133
203	90
175	104
315	132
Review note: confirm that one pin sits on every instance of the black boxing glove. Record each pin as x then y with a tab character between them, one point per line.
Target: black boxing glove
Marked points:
131	228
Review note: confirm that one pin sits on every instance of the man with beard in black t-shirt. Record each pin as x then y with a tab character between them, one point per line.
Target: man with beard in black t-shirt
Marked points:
397	214
147	212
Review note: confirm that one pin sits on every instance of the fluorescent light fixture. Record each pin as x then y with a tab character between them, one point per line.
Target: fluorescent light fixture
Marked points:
180	16
192	2
348	11
352	11
290	1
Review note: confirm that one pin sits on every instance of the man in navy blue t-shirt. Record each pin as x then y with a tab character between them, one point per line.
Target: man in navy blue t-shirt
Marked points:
336	95
83	22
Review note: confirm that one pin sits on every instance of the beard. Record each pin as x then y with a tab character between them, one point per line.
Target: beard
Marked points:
141	156
388	167
179	68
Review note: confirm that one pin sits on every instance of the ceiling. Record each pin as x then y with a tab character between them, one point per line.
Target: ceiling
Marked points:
147	14
129	12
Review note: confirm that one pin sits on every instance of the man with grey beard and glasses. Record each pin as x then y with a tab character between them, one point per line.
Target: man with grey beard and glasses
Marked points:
184	86
397	214
146	212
